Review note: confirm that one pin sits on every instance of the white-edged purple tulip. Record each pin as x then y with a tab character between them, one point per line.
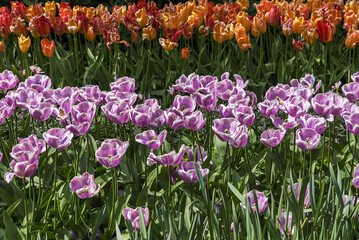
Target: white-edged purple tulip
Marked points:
111	152
58	138
351	91
194	121
307	138
38	82
187	172
317	123
151	139
8	80
85	186
272	137
134	216
261	198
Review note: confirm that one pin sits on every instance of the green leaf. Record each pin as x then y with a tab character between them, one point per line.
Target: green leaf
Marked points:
98	222
11	230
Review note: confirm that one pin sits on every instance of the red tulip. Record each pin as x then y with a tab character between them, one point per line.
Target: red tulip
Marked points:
298	45
325	31
43	26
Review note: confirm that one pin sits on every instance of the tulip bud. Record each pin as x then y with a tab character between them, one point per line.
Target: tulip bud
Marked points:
48	47
24	43
185	53
2	46
90	35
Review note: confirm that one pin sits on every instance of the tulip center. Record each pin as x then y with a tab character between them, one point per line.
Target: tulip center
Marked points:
62	113
228	90
285	120
154	138
28	99
110	156
183	108
6	80
307	140
85	186
226	130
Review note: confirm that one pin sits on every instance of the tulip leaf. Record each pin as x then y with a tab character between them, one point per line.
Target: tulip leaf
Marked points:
11	230
99	220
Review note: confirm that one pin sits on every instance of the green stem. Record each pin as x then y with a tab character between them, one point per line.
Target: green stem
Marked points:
26	214
77	60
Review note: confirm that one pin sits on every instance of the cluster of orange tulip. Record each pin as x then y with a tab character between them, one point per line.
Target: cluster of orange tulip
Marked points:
312	20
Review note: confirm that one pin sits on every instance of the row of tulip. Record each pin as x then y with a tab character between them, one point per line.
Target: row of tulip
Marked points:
216	121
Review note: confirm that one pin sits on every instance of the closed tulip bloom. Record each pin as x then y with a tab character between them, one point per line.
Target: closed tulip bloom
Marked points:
185	53
90	34
38	82
351	91
297	189
59	26
111	152
58	138
48	47
50	8
134	216
43	26
169	159
42	111
141	115
272	137
352	123
322	104
317	123
195	121
268	108
151	139
85	186
261	198
78	128
284	222
307	138
83	112
24	43
325	31
117	112
206	102
8	80
297	25
273	15
187	172
242	137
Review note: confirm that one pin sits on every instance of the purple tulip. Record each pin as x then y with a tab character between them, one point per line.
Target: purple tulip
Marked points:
272	137
245	115
226	129
60	94
290	122
117	112
7	107
187	172
158	118
184	104
201	154
28	149
225	89
79	128
351	91
261	198
38	82
232	227
168	159
297	189
206	102
317	123
134	216
84	111
141	115
355	77
208	83
84	186
195	121
151	139
25	98
115	96
91	94
297	106
111	152
63	111
307	138
352	123
22	169
174	119
242	137
226	111
124	84
277	93
42	111
58	138
284	222
188	84
268	108
250	99
349	109
322	103
8	80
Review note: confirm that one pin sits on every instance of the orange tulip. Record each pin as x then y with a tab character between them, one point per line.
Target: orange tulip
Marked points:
242	18
135	37
24	43
101	10
48	47
185	53
197	16
167	44
50	8
141	17
18	8
350	20
243	4
352	39
187	30
310	34
90	34
263	6
203	30
352	6
242	38
258	26
34	11
2	46
190	5
334	16
220	32
148	33
72	26
297	25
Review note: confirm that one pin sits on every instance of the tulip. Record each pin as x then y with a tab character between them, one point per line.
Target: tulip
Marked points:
24	43
307	138
297	189
90	34
62	94
2	47
58	138
258	26
8	80
356	177
287	28
149	33
41	112
194	121
245	115
272	137
141	115
28	97
314	122
355	77
268	108
48	47
185	53
225	89
201	154
111	152
298	45
134	216
78	128
286	222
167	44
7	107
187	172
325	31
184	104
189	84
297	25
352	123
59	26
117	112
38	82
43	26
174	119
169	159
151	139
22	169
261	199
351	91
273	15
206	102
124	84
84	186
297	106
82	22
50	8
226	129
90	93
83	112
322	104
